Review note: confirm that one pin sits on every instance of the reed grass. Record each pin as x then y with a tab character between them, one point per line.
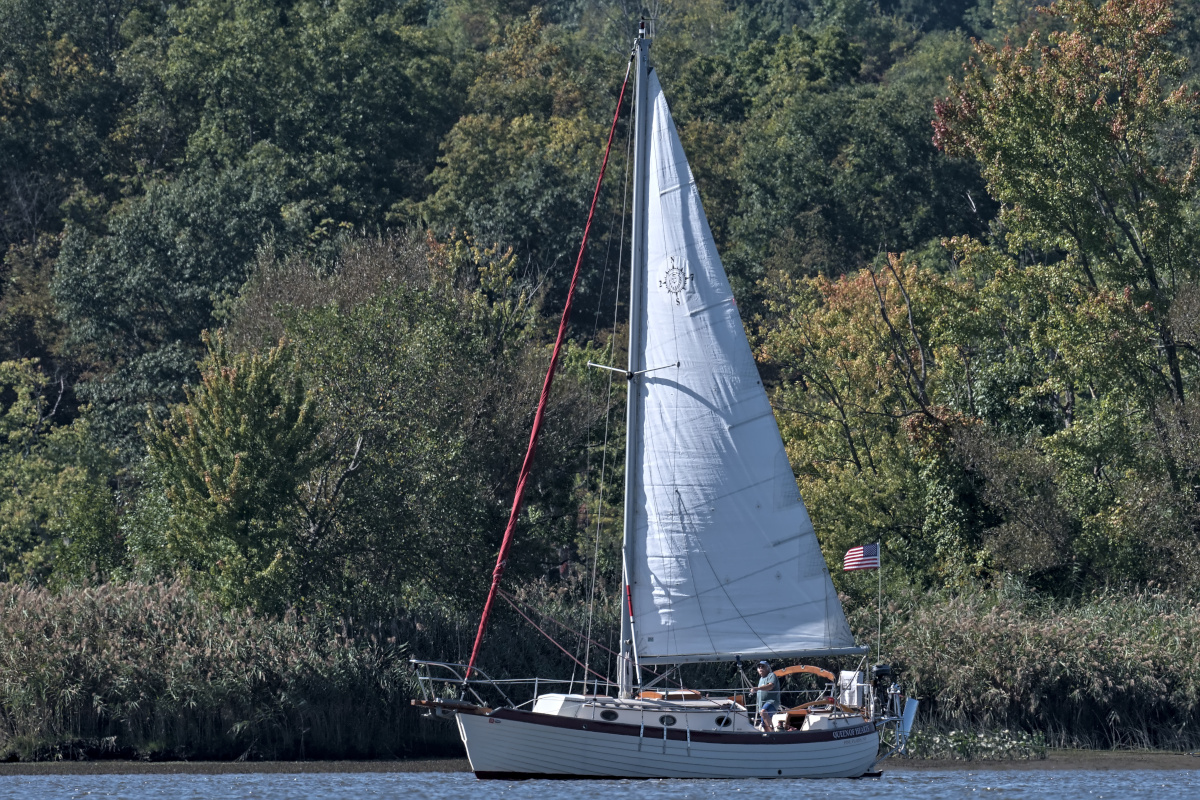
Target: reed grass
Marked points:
154	671
157	671
1114	671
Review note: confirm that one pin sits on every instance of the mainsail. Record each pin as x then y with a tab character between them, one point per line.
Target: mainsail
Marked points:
722	559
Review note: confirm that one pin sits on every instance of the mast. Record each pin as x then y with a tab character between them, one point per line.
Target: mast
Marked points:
629	674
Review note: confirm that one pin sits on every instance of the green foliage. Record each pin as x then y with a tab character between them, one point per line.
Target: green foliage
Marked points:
1095	226
836	168
518	169
54	496
27	494
29	326
93	548
179	138
152	670
136	298
857	402
1066	135
1004	660
232	460
1026	409
1012	397
59	98
426	362
931	14
347	100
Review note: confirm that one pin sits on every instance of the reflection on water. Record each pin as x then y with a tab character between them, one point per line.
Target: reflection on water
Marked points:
1065	784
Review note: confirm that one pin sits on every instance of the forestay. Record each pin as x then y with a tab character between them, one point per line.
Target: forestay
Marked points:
724	560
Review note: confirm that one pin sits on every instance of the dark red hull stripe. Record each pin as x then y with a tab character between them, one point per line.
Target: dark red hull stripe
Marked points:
543	776
680	734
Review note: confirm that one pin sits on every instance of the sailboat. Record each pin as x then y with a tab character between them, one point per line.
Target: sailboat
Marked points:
720	559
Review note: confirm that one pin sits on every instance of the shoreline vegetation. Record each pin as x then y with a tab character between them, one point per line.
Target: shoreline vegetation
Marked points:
160	672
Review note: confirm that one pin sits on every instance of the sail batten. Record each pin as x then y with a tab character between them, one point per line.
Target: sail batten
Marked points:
724	561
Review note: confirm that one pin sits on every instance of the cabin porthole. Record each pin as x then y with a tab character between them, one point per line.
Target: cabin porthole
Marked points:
723	721
608	715
778	772
666	720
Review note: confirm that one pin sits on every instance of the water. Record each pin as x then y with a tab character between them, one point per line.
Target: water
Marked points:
929	785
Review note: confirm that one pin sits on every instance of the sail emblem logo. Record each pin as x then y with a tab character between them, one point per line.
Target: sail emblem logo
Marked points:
677	278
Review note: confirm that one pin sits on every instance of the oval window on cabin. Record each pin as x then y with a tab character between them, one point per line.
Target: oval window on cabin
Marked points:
723	721
608	715
666	720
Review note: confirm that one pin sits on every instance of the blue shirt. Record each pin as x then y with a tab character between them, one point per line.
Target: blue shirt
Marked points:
768	696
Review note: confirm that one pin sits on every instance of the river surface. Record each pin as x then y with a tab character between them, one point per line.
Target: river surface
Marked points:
920	785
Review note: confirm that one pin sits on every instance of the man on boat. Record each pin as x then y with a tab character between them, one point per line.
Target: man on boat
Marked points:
768	695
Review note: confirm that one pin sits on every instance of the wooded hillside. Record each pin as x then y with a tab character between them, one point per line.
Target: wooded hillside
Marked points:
280	279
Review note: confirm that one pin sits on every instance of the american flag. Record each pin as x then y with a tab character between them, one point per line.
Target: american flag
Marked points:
862	557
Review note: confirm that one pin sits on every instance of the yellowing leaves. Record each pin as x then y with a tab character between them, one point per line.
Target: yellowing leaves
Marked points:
231	462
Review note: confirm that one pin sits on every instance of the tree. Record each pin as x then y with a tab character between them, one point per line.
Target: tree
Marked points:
517	170
426	360
60	98
862	404
1081	141
1068	136
57	512
232	462
346	100
136	298
837	169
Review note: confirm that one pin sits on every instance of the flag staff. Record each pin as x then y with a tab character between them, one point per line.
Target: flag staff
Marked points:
869	556
879	608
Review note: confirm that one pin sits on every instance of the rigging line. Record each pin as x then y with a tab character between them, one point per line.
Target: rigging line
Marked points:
546	616
612	344
567	652
587	464
621	241
539	415
510	599
578	645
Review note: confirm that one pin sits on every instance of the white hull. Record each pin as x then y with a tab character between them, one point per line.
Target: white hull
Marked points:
522	744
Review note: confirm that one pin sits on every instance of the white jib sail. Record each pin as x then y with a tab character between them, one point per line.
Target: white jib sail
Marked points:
724	559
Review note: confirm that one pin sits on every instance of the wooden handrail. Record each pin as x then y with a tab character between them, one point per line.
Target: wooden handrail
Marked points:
824	673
